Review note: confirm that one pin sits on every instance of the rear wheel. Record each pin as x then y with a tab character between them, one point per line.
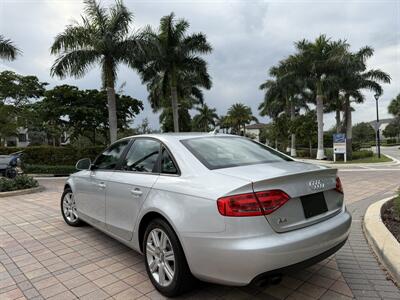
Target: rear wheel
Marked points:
165	261
68	208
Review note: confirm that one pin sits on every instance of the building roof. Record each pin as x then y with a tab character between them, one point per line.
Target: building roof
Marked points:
256	126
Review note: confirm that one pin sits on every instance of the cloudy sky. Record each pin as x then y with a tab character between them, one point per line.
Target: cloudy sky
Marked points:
248	37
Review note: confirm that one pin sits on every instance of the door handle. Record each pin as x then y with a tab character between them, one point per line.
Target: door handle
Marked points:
136	192
101	185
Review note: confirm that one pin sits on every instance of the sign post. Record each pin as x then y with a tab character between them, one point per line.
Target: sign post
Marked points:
339	145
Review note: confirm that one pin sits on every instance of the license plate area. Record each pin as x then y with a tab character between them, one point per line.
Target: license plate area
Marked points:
314	204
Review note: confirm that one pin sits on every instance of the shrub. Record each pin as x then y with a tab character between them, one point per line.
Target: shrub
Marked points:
362	154
68	155
49	169
18	183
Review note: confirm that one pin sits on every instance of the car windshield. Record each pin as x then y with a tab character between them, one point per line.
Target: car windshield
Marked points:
5	159
225	152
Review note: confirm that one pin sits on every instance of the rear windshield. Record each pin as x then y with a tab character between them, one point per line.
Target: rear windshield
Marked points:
225	152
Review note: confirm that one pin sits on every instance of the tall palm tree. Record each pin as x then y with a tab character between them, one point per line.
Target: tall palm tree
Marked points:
102	37
285	93
7	49
355	78
319	63
170	53
205	117
240	115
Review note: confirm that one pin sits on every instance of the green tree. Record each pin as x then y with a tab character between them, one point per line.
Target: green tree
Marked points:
392	129
103	37
306	129
319	63
394	106
8	122
170	55
8	51
18	90
206	116
363	133
239	116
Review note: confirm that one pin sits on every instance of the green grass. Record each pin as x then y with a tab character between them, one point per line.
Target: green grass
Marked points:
373	159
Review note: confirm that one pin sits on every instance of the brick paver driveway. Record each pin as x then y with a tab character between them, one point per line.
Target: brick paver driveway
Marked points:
42	257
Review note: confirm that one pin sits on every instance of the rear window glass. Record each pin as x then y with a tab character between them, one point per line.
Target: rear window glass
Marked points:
225	152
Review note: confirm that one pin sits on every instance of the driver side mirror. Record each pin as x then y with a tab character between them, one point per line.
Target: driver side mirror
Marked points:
83	164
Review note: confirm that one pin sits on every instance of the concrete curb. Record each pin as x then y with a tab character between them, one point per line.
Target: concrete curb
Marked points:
382	241
38	189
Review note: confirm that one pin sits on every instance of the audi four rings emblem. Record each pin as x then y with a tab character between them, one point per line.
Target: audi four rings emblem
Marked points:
316	184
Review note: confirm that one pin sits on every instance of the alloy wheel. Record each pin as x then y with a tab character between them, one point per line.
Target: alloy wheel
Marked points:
160	257
69	207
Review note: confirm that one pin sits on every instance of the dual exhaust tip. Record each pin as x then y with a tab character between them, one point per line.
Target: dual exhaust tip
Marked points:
268	280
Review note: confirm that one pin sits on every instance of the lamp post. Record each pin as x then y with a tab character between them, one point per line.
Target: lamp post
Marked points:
377	126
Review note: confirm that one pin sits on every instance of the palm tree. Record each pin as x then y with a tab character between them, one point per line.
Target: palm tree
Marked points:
240	115
7	49
318	63
171	54
205	117
101	38
284	93
355	78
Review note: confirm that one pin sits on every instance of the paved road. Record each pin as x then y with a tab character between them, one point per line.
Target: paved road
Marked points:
42	257
393	151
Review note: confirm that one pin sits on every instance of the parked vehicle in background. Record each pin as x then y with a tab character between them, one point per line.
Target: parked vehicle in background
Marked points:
216	207
10	165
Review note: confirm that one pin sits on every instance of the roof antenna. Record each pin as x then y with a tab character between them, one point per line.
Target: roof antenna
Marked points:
214	132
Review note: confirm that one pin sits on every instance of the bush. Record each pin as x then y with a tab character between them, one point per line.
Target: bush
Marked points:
37	155
362	154
20	182
49	169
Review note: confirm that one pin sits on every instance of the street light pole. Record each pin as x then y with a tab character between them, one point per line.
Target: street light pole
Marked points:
377	126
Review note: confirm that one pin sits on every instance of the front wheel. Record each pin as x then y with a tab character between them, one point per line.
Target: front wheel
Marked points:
68	208
165	261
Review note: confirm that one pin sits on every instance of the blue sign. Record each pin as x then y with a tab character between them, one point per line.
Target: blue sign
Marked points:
339	138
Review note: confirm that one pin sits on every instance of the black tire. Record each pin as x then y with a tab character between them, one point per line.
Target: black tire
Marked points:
183	280
77	221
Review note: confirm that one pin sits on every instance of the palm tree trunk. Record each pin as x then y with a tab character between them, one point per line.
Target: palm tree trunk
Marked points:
349	129
338	127
320	121
112	112
174	103
310	147
293	152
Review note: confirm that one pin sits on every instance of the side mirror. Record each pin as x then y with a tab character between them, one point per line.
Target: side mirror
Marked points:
83	164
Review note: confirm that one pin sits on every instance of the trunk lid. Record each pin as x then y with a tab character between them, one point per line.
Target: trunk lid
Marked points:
311	188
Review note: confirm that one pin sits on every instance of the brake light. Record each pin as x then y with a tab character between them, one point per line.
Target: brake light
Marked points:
339	186
251	204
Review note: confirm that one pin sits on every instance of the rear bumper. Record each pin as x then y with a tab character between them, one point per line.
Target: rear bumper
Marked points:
240	260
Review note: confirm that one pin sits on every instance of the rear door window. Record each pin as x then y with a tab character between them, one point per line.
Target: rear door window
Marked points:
142	156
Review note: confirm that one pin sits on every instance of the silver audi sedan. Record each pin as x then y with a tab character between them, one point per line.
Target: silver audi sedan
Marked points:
215	207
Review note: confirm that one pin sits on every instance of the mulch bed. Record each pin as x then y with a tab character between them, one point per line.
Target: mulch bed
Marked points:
390	219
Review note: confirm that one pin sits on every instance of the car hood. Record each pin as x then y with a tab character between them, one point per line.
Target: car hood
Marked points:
265	171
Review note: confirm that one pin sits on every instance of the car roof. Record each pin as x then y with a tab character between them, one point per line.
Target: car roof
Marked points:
172	136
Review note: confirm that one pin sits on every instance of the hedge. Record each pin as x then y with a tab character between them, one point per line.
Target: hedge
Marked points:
48	155
305	153
20	182
48	169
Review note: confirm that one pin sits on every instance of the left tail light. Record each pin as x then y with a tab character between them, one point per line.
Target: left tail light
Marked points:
339	187
252	204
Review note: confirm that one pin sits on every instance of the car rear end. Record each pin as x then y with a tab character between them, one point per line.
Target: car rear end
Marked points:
291	215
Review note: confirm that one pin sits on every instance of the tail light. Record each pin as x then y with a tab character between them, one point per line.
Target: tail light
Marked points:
339	186
252	204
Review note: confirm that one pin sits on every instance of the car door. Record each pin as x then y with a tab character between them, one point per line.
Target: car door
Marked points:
129	186
92	185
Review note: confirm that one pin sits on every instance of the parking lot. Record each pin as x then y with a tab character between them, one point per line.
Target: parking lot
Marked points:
43	258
